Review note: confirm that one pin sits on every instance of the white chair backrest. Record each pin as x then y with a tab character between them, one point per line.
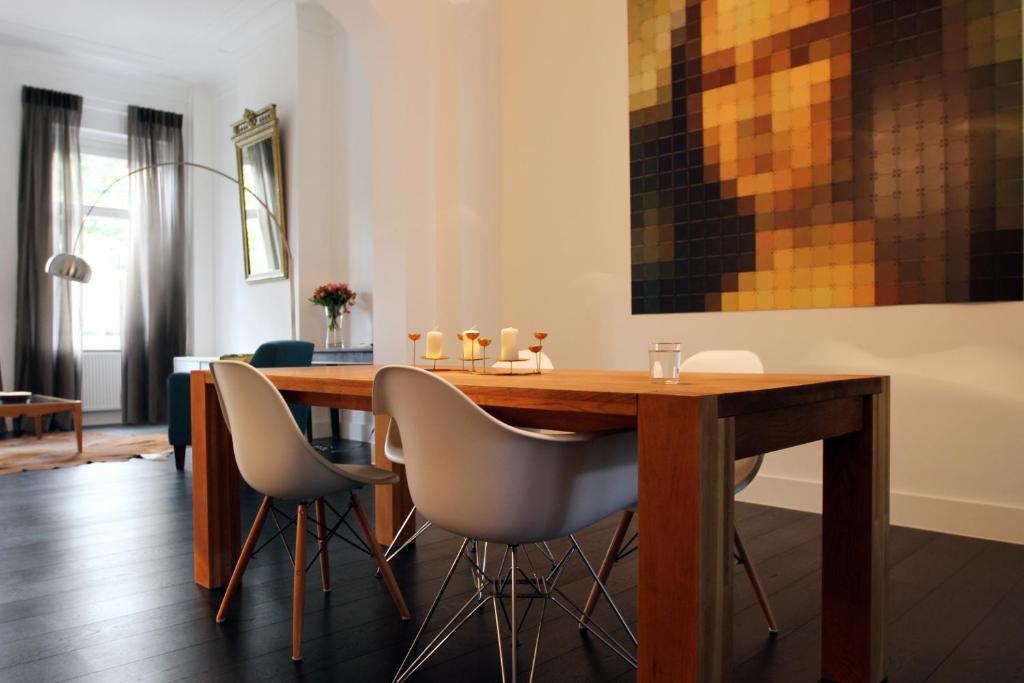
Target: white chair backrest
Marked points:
721	360
272	454
475	476
393	442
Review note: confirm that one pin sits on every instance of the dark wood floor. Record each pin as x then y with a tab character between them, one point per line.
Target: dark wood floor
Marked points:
96	585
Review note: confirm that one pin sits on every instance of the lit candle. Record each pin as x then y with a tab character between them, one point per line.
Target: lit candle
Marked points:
510	344
434	340
470	347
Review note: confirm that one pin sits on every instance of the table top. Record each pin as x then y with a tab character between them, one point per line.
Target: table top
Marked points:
38	403
604	391
39	398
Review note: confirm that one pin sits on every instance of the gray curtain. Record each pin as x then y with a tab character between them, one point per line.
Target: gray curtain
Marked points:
154	329
46	346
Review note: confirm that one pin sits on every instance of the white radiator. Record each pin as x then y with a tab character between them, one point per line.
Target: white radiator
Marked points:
101	381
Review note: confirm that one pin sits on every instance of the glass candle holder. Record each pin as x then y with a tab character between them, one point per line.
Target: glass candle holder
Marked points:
665	359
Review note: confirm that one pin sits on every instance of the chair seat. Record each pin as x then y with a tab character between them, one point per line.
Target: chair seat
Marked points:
367	474
335	478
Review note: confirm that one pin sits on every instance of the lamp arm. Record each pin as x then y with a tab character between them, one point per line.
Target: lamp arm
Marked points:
236	181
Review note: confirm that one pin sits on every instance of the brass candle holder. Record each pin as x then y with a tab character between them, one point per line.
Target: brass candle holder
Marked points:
458	335
434	368
510	361
484	343
472	336
536	349
414	336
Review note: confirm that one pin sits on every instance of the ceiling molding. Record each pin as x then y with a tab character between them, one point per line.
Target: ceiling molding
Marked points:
200	50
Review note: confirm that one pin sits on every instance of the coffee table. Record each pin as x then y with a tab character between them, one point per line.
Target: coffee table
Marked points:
39	405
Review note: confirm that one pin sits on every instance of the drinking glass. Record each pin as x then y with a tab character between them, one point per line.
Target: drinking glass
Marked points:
666	357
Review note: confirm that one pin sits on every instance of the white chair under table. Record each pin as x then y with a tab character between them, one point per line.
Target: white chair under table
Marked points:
393	452
481	479
724	361
275	459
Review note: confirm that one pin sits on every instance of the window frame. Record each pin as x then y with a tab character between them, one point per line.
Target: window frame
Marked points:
94	142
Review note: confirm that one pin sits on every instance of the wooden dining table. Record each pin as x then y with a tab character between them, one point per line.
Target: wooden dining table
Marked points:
689	436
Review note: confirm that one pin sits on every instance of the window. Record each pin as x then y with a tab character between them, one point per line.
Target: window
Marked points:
104	238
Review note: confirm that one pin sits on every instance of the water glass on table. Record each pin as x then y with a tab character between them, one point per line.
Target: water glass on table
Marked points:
665	357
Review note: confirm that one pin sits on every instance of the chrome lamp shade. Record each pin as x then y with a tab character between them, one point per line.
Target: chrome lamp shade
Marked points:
69	267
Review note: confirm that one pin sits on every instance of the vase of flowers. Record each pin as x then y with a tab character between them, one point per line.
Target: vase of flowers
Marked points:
337	299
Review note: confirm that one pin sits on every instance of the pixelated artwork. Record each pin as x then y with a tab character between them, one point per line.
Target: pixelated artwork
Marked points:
814	154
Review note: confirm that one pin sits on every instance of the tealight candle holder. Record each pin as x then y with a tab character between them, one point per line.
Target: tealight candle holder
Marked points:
472	336
536	349
510	361
414	336
484	343
434	360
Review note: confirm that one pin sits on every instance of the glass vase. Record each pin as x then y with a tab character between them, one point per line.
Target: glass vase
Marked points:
335	325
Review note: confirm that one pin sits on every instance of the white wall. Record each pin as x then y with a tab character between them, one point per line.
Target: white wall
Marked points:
306	67
243	314
107	90
398	42
958	370
335	237
468	125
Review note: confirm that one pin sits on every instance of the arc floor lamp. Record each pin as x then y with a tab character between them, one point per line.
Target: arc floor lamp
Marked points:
70	266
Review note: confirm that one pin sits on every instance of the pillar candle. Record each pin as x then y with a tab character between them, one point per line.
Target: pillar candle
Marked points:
510	344
434	344
470	348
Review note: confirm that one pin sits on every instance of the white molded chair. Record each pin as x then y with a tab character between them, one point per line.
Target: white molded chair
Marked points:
725	361
482	479
393	452
275	459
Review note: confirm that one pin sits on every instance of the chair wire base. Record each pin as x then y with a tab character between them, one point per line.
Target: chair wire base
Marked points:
511	582
392	552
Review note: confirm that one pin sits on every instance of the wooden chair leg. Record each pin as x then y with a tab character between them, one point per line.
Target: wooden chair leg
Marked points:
378	556
755	581
243	559
299	586
322	537
179	457
609	560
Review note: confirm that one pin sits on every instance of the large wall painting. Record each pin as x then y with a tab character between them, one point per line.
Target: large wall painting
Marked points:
817	153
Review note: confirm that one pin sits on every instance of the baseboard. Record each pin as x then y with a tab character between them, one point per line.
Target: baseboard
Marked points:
948	515
101	418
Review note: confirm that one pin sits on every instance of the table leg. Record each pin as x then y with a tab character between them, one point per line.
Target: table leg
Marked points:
215	489
76	415
391	503
39	426
686	461
335	424
855	530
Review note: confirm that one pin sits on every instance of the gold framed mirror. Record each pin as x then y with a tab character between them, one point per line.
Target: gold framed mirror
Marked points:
257	139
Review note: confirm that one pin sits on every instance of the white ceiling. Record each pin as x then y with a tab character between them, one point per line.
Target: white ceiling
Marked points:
190	40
